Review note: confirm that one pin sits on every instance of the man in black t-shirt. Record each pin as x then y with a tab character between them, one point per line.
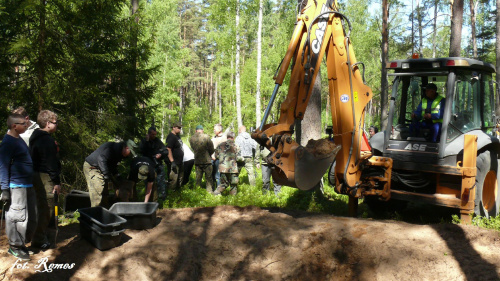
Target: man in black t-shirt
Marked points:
142	168
153	148
175	155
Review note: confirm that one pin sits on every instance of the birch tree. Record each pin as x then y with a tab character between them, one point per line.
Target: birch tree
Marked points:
237	66
384	85
259	66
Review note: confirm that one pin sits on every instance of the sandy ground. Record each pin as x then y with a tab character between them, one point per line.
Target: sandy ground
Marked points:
232	243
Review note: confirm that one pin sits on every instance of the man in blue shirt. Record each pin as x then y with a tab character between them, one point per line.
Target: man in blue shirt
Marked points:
16	173
429	113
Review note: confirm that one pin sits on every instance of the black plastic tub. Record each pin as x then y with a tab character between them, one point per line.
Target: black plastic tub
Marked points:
102	219
75	200
101	240
138	215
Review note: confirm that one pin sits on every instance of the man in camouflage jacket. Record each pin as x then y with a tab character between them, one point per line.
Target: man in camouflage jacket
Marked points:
203	149
226	152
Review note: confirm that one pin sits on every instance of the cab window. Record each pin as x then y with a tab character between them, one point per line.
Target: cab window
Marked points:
466	98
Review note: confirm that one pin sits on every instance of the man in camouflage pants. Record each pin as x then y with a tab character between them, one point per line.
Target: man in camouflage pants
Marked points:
226	152
203	148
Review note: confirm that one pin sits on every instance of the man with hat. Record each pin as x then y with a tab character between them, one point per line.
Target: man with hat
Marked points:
142	168
429	113
175	155
153	148
101	167
203	148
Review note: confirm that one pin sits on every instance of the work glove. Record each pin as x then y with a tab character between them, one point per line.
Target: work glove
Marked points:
174	167
5	196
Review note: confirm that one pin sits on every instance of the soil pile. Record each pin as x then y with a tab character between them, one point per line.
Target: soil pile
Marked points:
232	243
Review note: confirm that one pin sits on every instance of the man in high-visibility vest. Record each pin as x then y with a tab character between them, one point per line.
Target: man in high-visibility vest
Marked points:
429	113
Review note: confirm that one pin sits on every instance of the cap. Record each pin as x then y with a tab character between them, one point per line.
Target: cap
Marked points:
177	124
143	172
199	127
132	146
431	86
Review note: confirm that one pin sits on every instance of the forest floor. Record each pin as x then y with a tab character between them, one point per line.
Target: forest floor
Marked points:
250	243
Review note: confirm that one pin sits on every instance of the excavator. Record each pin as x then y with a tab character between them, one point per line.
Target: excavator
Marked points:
396	165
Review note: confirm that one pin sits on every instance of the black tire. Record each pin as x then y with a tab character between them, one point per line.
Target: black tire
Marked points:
487	199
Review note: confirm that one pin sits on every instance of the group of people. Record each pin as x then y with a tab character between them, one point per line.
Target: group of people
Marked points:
167	167
221	158
148	164
30	171
29	179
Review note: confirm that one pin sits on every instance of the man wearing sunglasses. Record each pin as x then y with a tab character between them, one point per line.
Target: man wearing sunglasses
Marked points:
16	182
31	126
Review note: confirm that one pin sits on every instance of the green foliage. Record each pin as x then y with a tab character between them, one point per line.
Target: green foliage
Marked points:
491	223
65	220
84	60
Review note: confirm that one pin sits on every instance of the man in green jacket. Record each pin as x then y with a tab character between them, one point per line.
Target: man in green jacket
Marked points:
203	148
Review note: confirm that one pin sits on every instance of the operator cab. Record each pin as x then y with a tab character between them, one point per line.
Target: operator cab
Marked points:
467	87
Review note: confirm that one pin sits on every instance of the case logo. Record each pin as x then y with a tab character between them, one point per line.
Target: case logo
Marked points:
416	147
320	32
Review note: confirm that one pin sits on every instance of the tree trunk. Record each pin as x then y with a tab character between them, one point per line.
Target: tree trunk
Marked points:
434	28
133	76
497	51
259	65
473	8
456	27
181	105
220	103
41	56
211	91
164	115
384	84
237	67
310	127
420	29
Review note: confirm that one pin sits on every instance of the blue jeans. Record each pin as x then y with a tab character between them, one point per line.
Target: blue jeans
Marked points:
434	128
266	181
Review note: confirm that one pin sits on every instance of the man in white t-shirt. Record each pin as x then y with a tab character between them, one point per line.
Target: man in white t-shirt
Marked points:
188	161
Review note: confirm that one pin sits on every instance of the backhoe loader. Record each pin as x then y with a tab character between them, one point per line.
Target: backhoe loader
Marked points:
397	164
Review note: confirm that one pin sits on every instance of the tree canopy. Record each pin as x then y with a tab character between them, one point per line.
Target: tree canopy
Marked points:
109	73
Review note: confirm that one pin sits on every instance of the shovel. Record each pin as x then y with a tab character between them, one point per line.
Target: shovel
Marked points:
56	217
3	215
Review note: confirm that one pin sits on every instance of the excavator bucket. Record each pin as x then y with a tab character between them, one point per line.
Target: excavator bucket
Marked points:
309	166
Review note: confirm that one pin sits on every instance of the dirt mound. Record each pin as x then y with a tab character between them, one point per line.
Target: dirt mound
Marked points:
232	243
322	148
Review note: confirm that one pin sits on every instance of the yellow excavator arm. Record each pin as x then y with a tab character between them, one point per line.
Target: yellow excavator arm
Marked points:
320	30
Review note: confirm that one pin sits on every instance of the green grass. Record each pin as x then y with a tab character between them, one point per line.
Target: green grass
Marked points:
491	223
288	199
328	202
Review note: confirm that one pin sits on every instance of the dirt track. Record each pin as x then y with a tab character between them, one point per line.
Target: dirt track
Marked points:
231	243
